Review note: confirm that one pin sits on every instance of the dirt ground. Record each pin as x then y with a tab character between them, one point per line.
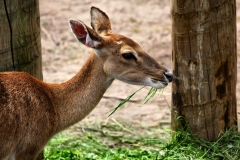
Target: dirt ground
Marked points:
146	22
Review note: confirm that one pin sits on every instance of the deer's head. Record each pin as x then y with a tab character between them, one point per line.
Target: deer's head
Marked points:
122	58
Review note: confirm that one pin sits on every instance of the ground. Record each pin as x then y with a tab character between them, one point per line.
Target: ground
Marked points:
146	22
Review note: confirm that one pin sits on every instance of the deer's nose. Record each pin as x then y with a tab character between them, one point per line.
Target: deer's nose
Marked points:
168	75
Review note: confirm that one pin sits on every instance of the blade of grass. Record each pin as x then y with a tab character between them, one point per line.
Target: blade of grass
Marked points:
124	101
150	94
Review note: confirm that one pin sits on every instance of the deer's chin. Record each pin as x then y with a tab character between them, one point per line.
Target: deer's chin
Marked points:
156	83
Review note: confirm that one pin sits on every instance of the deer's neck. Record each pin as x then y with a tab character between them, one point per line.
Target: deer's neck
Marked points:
77	97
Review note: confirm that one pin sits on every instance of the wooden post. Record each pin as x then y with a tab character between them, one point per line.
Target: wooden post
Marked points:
20	38
26	41
204	59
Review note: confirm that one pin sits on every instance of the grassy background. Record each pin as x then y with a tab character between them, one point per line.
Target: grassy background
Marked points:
116	140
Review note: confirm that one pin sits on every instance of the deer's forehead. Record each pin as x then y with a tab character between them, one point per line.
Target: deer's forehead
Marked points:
123	43
126	41
129	44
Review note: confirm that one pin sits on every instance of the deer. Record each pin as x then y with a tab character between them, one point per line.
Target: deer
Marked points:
33	111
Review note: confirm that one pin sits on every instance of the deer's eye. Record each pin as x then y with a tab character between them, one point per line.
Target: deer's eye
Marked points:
129	56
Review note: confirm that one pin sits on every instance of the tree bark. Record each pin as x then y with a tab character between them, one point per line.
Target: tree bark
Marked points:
26	43
20	38
204	60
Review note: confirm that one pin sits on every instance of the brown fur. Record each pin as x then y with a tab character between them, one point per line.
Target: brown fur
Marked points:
32	111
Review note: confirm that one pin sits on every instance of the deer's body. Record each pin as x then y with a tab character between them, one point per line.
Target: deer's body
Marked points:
32	111
41	110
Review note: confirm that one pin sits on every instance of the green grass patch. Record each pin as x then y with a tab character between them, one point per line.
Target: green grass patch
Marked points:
186	146
119	141
112	141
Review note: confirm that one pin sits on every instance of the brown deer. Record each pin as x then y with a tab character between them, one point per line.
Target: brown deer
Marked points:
32	111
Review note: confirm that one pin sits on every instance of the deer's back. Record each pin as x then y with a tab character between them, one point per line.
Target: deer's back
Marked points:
26	112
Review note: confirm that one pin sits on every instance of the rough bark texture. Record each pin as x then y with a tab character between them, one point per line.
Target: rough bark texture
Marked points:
25	22
204	59
26	43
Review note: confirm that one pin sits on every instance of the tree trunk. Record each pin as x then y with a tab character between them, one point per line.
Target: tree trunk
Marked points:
20	43
204	60
26	43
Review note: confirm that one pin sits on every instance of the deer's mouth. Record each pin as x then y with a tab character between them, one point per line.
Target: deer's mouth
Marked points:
159	81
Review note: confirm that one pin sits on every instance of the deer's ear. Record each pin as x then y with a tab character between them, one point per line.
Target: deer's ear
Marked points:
85	35
100	21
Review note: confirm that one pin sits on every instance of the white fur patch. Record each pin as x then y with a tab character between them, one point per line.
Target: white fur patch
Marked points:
157	84
89	42
135	54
